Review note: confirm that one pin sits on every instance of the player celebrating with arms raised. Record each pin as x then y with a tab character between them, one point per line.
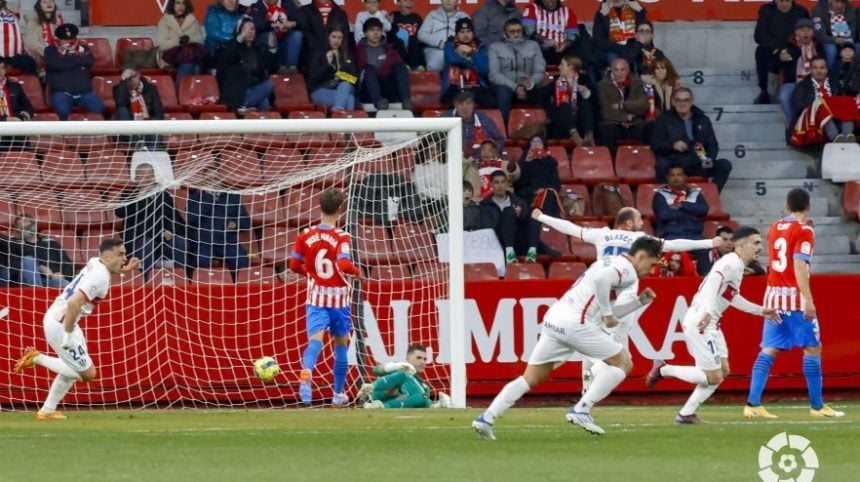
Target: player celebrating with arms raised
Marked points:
705	341
577	323
62	332
322	254
791	241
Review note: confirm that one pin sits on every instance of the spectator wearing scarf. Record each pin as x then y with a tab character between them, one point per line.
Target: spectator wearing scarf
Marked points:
67	67
624	106
40	28
136	99
813	121
14	105
467	65
615	25
281	17
12	44
569	108
796	61
178	30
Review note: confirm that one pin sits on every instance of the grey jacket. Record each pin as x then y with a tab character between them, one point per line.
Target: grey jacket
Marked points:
438	27
489	20
510	61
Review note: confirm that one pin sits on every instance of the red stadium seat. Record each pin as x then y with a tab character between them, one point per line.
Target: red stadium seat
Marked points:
68	240
851	199
33	90
132	43
413	242
88	243
166	91
103	87
521	271
373	245
262	142
102	56
212	276
132	279
257	275
715	204
360	138
498	120
166	277
305	140
277	243
278	163
520	117
90	142
43	206
513	153
240	168
86	209
108	169
565	171
645	199
635	164
323	156
592	165
301	206
63	169
21	169
431	270
7	211
556	240
264	208
199	93
192	162
480	272
711	227
433	113
426	91
182	141
46	117
390	272
566	270
291	93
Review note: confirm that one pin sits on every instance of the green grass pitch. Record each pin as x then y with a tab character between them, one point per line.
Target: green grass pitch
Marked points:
641	444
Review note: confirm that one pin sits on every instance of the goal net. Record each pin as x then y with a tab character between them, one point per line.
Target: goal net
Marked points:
212	209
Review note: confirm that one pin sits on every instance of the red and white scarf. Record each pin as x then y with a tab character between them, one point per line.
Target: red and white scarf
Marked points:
807	53
276	13
72	48
48	30
5	104
809	128
622	27
565	91
622	87
10	37
138	104
463	77
324	11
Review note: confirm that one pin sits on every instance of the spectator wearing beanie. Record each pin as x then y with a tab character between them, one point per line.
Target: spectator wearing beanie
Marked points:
385	77
467	66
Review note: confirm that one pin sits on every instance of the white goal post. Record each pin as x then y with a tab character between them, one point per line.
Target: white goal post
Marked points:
203	156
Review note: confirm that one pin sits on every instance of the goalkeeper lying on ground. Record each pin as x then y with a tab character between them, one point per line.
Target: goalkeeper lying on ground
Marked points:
399	385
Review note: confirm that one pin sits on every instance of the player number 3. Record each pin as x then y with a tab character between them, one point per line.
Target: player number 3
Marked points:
323	266
780	263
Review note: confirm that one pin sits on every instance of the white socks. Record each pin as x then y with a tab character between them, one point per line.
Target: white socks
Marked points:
509	395
693	375
604	382
57	366
700	394
59	388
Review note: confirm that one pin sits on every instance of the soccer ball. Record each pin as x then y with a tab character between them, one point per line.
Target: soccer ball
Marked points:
266	369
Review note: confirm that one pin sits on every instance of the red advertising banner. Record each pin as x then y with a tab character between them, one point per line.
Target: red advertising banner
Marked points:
148	12
166	344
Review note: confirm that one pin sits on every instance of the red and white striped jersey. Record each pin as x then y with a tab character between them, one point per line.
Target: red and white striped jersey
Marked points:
10	38
788	240
319	248
553	24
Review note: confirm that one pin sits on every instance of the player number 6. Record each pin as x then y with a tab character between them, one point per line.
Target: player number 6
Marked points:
323	266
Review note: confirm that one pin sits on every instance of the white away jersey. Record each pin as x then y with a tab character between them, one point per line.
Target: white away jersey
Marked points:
93	281
726	273
583	303
612	242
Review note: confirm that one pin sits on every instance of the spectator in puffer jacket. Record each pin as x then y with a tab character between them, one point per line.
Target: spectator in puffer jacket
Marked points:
437	28
490	20
467	65
68	65
773	28
221	20
517	68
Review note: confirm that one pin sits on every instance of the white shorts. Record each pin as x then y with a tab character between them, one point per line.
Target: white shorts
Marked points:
76	356
558	341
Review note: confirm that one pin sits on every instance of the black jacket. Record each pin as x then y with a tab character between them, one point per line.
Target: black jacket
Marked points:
845	79
46	251
536	174
669	128
316	32
18	101
69	73
634	56
321	73
122	98
491	209
789	69
146	218
259	13
803	96
242	67
773	28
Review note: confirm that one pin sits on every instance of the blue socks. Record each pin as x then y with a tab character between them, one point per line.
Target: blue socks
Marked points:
341	366
312	352
760	372
812	373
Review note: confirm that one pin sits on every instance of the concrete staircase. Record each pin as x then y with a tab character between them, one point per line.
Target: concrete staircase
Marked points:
765	168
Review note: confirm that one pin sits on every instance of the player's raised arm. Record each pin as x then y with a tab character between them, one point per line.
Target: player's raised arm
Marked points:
683	245
560	225
646	297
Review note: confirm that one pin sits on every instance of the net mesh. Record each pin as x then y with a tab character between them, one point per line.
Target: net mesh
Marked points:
213	219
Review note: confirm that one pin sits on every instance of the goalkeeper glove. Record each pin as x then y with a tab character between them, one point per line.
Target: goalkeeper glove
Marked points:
67	340
391	367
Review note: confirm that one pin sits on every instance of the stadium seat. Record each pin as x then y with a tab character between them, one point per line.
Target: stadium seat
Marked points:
43	206
88	242
33	90
599	193
431	270
68	240
413	242
565	171
580	190
264	208
240	168
107	169
180	141
45	117
364	139
199	93
647	227
390	272
258	275
851	199
102	56
132	43
635	164
166	92
480	272
556	240
277	243
301	206
522	271
166	277
498	120
63	169
261	141
433	113
86	209
212	276
568	270
305	140
645	199
403	160
712	196
520	117
90	142
711	227
278	163
582	250
291	93
324	156
592	165
191	163
372	245
103	87
426	90
512	153
21	169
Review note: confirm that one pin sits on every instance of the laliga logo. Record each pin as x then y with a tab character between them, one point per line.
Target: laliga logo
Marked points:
787	458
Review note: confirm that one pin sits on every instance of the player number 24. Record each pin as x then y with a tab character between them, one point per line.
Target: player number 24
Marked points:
323	266
780	263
